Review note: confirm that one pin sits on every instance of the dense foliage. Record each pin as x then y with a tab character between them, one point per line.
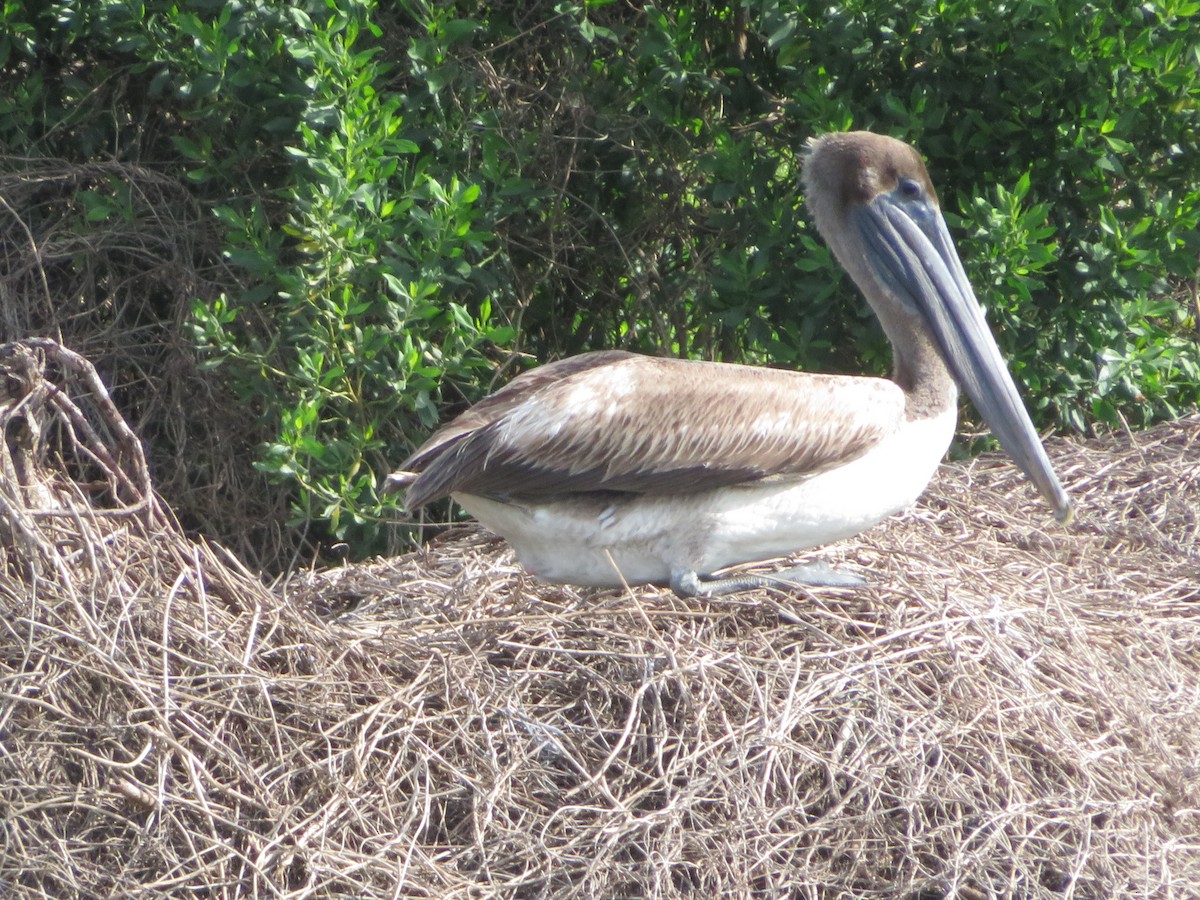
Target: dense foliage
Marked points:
408	203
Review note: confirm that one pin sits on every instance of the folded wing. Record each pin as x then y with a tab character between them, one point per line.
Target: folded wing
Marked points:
614	421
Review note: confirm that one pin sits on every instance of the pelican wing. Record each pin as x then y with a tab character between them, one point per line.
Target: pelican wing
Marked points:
638	424
499	403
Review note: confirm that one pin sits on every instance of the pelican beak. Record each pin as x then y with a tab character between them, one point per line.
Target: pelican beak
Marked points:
910	251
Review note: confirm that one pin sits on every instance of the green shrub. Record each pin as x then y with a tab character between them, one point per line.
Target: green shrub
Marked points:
413	201
361	282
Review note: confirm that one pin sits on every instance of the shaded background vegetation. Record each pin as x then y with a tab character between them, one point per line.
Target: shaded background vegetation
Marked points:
294	236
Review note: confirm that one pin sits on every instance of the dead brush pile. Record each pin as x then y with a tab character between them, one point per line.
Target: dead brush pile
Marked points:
1009	709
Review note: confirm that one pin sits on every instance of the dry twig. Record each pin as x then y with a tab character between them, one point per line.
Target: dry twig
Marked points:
1009	709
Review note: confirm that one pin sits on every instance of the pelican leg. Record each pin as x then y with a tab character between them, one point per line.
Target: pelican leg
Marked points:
690	584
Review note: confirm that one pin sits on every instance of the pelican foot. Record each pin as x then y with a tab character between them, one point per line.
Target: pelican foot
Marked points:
689	584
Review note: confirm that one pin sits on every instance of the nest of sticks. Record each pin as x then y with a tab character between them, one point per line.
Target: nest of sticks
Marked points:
1009	708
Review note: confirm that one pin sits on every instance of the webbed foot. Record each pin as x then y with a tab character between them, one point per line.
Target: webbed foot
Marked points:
690	584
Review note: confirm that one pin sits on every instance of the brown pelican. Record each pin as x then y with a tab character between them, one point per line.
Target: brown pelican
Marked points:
612	468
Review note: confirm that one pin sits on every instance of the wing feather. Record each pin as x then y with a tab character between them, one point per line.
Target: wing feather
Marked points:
503	401
639	424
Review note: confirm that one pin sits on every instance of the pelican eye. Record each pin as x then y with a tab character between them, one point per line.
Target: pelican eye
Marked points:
910	188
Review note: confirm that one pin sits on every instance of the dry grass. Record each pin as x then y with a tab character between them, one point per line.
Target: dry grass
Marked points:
1009	709
120	290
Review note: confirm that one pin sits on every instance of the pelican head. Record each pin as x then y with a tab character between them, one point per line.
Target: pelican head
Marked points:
874	204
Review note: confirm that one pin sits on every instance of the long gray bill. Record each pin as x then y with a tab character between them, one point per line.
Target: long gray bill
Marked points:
917	262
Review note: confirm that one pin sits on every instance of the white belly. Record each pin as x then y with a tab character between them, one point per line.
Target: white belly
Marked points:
638	539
